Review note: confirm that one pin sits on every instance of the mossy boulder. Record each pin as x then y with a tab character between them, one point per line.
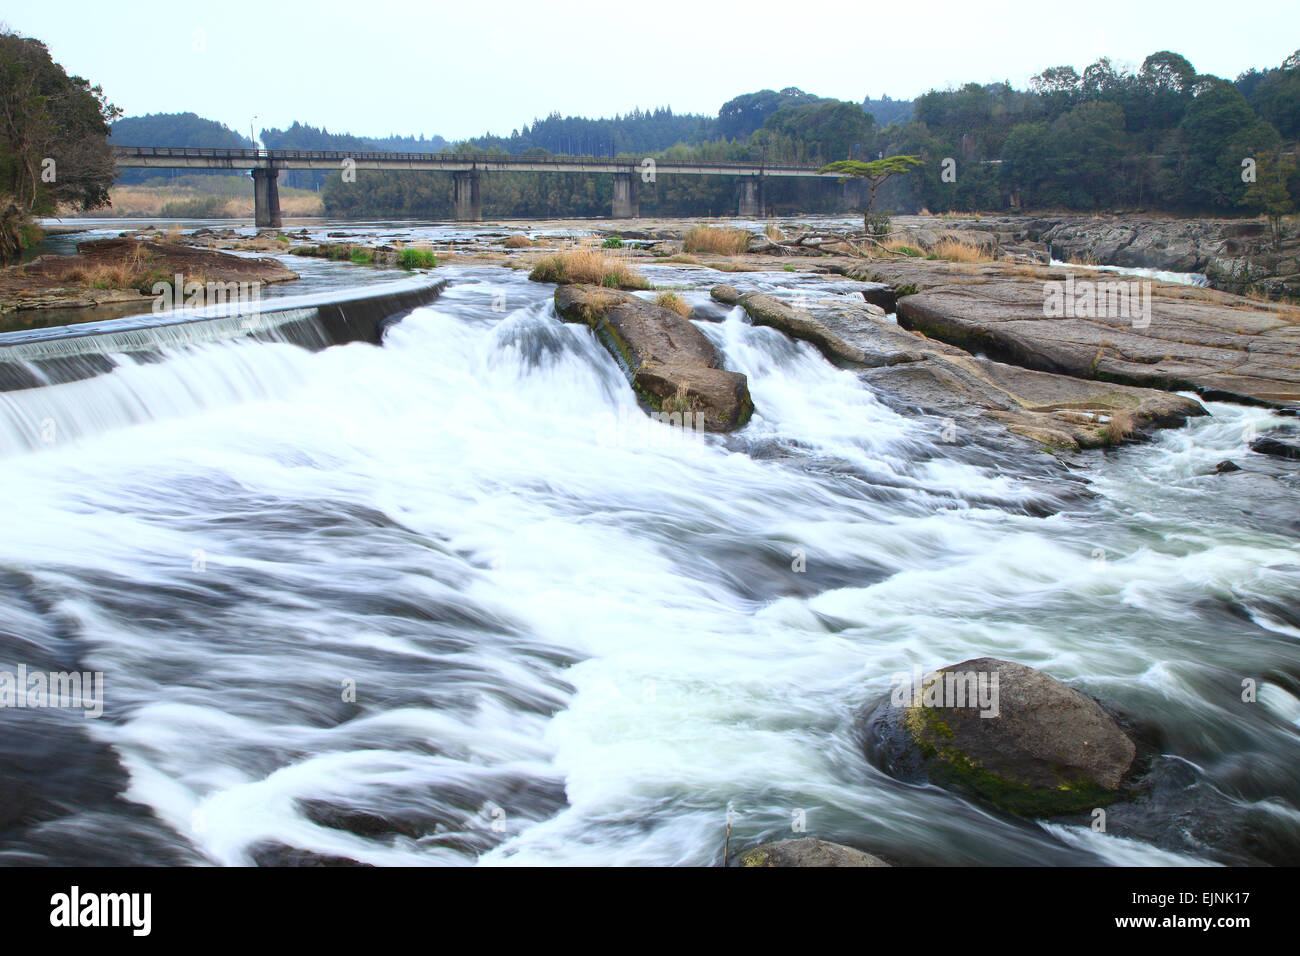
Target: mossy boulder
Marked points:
671	364
1004	733
807	851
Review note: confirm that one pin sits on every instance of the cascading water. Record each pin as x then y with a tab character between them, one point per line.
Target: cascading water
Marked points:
456	599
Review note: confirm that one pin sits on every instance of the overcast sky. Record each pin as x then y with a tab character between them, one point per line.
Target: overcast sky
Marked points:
460	69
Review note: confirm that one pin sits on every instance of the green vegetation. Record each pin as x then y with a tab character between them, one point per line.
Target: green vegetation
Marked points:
1269	192
874	173
362	255
53	141
417	259
613	242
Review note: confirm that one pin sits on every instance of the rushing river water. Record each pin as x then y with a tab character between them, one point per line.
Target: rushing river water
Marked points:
455	599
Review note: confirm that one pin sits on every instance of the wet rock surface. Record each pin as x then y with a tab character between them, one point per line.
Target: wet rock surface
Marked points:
672	365
1005	733
805	852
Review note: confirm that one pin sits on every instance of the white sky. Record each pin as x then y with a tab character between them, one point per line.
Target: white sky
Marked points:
460	69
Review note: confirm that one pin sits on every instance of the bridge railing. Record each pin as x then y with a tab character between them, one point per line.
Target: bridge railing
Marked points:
482	159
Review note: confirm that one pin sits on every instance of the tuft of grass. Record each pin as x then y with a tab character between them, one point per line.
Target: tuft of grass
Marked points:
587	265
674	302
773	232
612	242
1118	429
899	246
417	259
517	241
361	255
722	241
954	250
680	402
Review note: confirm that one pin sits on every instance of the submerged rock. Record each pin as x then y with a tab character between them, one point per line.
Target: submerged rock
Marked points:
807	851
1271	445
670	362
1005	733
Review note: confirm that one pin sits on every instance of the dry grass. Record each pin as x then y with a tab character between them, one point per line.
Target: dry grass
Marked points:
902	247
517	241
773	232
587	264
148	201
675	303
131	272
683	259
1121	426
955	250
723	241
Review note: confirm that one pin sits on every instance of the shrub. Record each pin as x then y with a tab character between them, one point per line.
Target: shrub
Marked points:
612	242
878	225
723	241
361	255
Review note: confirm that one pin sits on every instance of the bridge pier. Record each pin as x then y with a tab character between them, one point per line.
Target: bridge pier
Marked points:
465	193
626	204
266	199
750	195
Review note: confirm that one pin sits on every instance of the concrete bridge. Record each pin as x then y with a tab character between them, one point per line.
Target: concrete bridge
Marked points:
467	171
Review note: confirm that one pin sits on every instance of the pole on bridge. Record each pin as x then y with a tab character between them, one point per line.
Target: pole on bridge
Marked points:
626	203
466	195
266	199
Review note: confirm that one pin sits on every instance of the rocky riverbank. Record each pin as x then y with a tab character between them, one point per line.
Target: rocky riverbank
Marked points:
121	272
1177	338
1235	255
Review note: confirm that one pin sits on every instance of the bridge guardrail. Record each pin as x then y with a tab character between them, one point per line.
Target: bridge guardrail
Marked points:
485	159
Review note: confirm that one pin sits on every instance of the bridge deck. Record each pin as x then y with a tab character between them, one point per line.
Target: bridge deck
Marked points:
162	157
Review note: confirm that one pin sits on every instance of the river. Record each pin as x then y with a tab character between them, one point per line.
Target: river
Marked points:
454	600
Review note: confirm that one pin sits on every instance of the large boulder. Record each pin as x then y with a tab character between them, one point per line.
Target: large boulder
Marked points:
1005	733
807	851
669	362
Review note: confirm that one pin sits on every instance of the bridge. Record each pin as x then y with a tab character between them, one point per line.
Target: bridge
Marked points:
467	171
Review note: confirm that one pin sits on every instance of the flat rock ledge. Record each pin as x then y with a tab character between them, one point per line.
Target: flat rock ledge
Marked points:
670	363
765	310
1061	412
1004	733
807	851
1223	346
